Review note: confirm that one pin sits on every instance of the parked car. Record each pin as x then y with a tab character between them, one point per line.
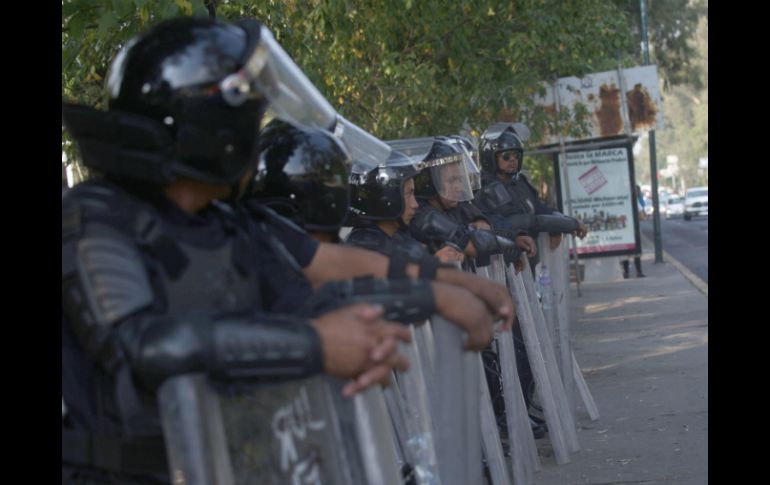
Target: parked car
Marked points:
696	202
674	206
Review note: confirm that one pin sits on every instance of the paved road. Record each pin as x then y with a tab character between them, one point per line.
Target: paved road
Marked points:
687	241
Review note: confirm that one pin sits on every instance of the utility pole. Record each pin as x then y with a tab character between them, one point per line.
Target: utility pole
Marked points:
653	159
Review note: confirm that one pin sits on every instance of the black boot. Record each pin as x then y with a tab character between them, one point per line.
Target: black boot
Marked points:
624	263
638	264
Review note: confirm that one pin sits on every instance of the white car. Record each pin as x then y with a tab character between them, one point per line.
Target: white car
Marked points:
674	206
696	202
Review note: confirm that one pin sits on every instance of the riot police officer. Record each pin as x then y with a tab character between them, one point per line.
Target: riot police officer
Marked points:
441	187
158	279
383	205
507	197
303	173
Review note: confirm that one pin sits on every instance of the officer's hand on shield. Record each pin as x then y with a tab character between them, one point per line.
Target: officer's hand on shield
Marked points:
581	233
358	344
496	296
555	240
462	308
527	244
449	254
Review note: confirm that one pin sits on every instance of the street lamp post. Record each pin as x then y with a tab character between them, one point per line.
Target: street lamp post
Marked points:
653	160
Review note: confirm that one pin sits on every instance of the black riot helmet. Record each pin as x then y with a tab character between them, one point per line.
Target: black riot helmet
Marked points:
444	172
302	174
178	105
378	195
500	137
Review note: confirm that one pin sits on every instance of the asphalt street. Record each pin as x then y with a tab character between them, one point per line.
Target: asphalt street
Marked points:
687	241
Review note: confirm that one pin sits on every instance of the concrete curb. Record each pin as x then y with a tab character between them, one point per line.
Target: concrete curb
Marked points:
696	281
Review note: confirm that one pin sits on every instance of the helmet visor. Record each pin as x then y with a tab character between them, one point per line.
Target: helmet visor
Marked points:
292	97
450	177
367	150
474	176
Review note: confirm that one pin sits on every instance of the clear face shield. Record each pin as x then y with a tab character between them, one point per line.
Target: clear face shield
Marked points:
470	159
293	98
450	177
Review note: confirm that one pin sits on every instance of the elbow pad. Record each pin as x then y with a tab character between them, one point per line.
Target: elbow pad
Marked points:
511	252
486	245
405	300
510	234
523	222
274	347
430	226
556	223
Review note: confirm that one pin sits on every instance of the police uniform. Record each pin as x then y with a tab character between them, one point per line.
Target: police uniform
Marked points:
139	276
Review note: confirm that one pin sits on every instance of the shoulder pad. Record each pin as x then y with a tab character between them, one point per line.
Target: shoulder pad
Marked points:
268	215
368	238
100	201
495	195
112	275
522	178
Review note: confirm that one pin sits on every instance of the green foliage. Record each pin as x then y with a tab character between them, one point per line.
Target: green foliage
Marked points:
685	110
672	26
397	68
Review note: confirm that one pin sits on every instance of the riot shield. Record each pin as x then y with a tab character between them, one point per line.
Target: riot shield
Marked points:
524	458
585	393
557	315
564	411
419	448
490	436
297	432
456	406
538	365
426	347
375	435
193	431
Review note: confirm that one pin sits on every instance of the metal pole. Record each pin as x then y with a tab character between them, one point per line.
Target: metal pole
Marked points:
565	181
653	159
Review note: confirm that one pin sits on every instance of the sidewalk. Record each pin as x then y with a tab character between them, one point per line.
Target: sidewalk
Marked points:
643	347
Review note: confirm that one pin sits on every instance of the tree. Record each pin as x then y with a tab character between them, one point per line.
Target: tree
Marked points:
398	68
672	26
685	110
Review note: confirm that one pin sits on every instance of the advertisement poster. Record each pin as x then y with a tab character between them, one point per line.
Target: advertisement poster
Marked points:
600	183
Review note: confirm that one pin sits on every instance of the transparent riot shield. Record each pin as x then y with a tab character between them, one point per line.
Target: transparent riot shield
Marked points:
456	406
296	432
557	312
490	435
538	365
395	405
565	412
419	448
585	393
524	458
375	435
426	347
193	431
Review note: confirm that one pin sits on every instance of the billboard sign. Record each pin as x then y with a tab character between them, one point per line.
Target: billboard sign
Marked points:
601	188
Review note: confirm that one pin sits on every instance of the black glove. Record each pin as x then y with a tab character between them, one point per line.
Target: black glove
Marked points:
486	245
511	252
405	300
434	228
